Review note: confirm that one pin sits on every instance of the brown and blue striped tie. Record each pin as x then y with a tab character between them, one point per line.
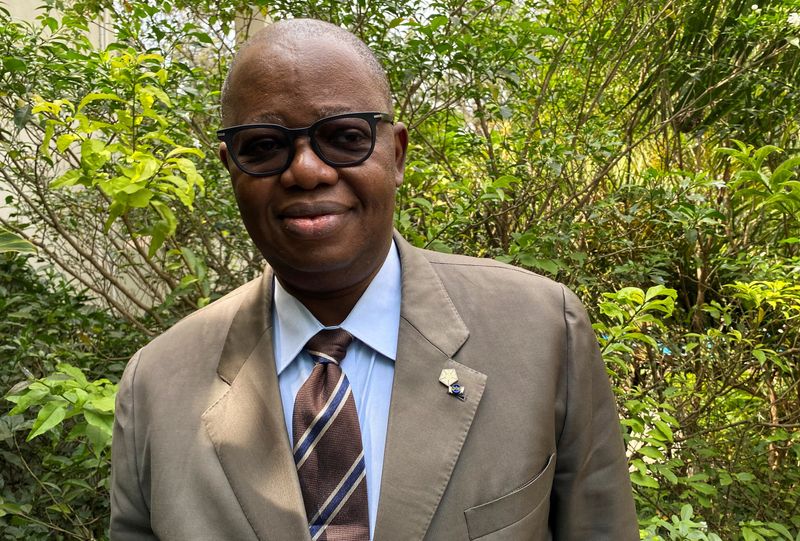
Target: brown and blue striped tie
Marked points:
327	445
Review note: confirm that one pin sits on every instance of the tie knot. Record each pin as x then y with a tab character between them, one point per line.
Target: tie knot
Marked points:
329	345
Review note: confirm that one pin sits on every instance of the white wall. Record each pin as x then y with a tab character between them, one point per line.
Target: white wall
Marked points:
27	10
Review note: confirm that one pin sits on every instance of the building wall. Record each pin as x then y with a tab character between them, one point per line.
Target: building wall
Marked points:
27	10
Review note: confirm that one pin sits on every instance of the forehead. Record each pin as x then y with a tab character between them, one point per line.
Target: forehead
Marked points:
297	82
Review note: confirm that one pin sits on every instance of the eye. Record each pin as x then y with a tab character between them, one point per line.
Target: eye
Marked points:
259	146
349	138
348	134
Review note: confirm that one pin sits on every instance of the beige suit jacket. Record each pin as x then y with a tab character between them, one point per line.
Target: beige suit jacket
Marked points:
200	449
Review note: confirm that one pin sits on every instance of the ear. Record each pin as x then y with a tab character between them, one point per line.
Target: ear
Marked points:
223	155
400	148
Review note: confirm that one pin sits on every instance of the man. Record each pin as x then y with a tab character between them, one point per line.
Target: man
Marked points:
481	404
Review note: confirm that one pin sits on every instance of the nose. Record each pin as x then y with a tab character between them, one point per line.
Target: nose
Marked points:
307	170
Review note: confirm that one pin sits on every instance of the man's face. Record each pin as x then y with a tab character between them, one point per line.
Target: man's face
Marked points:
322	228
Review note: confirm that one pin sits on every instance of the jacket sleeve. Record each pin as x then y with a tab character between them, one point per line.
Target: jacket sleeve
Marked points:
130	513
592	497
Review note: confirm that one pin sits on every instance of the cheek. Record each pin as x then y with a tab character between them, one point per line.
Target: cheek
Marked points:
381	199
251	199
384	188
246	189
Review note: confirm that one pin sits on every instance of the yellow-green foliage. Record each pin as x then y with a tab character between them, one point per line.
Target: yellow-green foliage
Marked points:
644	153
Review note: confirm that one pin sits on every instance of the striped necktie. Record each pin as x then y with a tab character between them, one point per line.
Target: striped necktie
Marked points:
327	445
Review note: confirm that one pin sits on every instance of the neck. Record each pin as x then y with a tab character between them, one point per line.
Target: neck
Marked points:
330	295
330	308
330	305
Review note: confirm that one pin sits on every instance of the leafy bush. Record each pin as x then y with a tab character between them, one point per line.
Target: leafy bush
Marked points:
55	441
590	141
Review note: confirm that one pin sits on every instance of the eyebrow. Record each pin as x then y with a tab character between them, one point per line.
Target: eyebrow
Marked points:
323	112
330	111
267	118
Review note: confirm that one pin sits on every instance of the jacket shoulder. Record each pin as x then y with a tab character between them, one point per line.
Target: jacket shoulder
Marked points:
215	317
482	287
192	346
488	271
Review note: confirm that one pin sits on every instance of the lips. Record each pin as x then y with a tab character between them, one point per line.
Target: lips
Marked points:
313	220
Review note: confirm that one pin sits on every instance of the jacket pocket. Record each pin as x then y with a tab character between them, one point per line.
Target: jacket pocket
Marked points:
512	507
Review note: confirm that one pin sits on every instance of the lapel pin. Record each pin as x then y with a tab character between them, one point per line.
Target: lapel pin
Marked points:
449	378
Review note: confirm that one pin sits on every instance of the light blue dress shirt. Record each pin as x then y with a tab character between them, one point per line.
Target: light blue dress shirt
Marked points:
369	364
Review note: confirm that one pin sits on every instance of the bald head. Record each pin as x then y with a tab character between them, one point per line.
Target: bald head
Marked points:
302	33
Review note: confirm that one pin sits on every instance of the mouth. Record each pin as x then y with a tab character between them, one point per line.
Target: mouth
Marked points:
313	220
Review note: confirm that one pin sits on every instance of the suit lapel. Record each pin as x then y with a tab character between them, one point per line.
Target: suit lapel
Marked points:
427	426
247	428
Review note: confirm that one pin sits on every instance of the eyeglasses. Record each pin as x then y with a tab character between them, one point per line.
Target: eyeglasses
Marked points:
263	150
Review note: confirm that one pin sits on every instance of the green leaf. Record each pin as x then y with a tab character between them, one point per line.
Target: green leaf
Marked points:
638	478
659	290
51	23
784	171
98	437
116	210
668	474
32	396
664	429
73	372
14	63
546	265
10	508
102	404
94	154
75	395
22	115
161	229
185	150
167	216
60	507
139	199
633	294
11	242
160	94
144	167
49	416
202	37
439	246
651	452
96	96
704	488
49	131
760	154
70	178
423	202
505	181
437	21
612	310
65	140
104	422
781	529
750	535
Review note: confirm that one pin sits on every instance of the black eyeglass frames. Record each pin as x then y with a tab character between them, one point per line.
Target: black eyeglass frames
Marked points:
263	150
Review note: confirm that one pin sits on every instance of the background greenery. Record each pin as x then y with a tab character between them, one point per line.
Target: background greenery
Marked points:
643	152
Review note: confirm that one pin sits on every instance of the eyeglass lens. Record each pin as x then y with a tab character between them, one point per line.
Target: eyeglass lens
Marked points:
339	141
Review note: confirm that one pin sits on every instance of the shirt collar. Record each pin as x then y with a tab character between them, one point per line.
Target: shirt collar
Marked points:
374	320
